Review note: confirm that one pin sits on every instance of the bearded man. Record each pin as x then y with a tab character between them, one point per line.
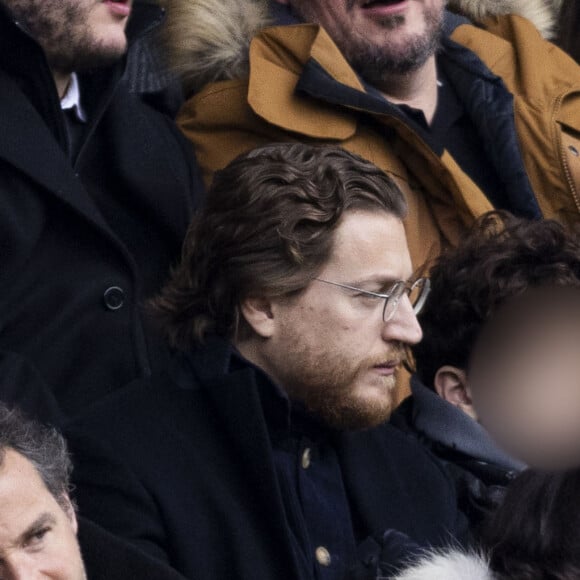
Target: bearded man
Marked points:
464	115
97	189
263	452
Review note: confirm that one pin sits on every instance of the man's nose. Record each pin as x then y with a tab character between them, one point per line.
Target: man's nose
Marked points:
403	326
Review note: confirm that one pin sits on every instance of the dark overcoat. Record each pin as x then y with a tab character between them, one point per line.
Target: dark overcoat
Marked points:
85	240
182	466
107	557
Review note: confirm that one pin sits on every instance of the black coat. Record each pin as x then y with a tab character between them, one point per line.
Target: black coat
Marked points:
106	557
182	466
21	387
84	242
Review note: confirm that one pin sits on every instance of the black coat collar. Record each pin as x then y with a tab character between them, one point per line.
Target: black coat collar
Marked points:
216	363
370	459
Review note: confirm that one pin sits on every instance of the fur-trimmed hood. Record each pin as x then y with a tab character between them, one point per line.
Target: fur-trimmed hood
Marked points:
208	40
452	565
543	13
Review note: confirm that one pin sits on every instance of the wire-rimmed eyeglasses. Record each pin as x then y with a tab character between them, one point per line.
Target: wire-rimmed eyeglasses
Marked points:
417	292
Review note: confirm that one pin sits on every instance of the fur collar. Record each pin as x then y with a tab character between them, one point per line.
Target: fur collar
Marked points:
452	565
543	13
208	40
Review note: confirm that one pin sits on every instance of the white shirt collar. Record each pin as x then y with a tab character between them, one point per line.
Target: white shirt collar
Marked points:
72	99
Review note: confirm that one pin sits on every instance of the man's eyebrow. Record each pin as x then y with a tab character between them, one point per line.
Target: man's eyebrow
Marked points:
40	522
382	281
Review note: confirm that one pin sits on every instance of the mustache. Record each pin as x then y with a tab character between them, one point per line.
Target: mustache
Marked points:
398	353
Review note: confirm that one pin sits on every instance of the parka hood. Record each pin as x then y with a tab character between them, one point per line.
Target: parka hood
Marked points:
543	13
208	40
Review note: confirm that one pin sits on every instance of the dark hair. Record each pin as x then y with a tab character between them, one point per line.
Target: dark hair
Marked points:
43	446
535	534
569	28
268	228
501	258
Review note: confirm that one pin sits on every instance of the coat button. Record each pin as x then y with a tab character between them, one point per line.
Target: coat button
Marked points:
306	458
114	298
323	556
574	151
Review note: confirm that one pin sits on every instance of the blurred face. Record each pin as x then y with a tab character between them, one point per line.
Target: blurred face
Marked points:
525	377
76	34
378	38
37	537
329	347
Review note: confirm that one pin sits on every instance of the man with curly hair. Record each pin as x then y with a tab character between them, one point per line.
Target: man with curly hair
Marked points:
263	452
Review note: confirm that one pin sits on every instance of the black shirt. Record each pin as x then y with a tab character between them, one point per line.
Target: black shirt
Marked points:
453	130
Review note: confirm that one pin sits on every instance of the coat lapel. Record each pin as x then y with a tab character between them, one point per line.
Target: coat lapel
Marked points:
235	396
28	145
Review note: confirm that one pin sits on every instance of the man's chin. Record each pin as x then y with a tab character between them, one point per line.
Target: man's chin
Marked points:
356	413
358	419
100	57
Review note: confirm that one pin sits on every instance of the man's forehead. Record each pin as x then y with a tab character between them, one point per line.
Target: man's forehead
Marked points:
371	245
19	477
24	498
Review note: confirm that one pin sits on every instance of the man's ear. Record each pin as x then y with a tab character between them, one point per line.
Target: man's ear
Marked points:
451	384
259	315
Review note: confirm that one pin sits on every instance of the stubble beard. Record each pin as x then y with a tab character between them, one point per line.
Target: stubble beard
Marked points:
64	34
380	64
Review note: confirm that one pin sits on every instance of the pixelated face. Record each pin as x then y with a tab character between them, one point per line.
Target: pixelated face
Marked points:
37	536
379	37
76	34
331	349
525	377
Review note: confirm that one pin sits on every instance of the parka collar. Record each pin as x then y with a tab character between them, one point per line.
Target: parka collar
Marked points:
445	424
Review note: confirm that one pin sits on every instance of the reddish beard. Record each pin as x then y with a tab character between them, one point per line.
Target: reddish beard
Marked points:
329	389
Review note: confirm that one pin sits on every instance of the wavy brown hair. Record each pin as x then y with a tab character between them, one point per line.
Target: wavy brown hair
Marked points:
501	258
267	229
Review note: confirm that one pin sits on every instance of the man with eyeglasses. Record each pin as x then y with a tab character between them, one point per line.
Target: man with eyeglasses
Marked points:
263	452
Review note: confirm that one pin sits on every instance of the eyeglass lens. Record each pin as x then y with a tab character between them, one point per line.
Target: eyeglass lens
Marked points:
416	293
